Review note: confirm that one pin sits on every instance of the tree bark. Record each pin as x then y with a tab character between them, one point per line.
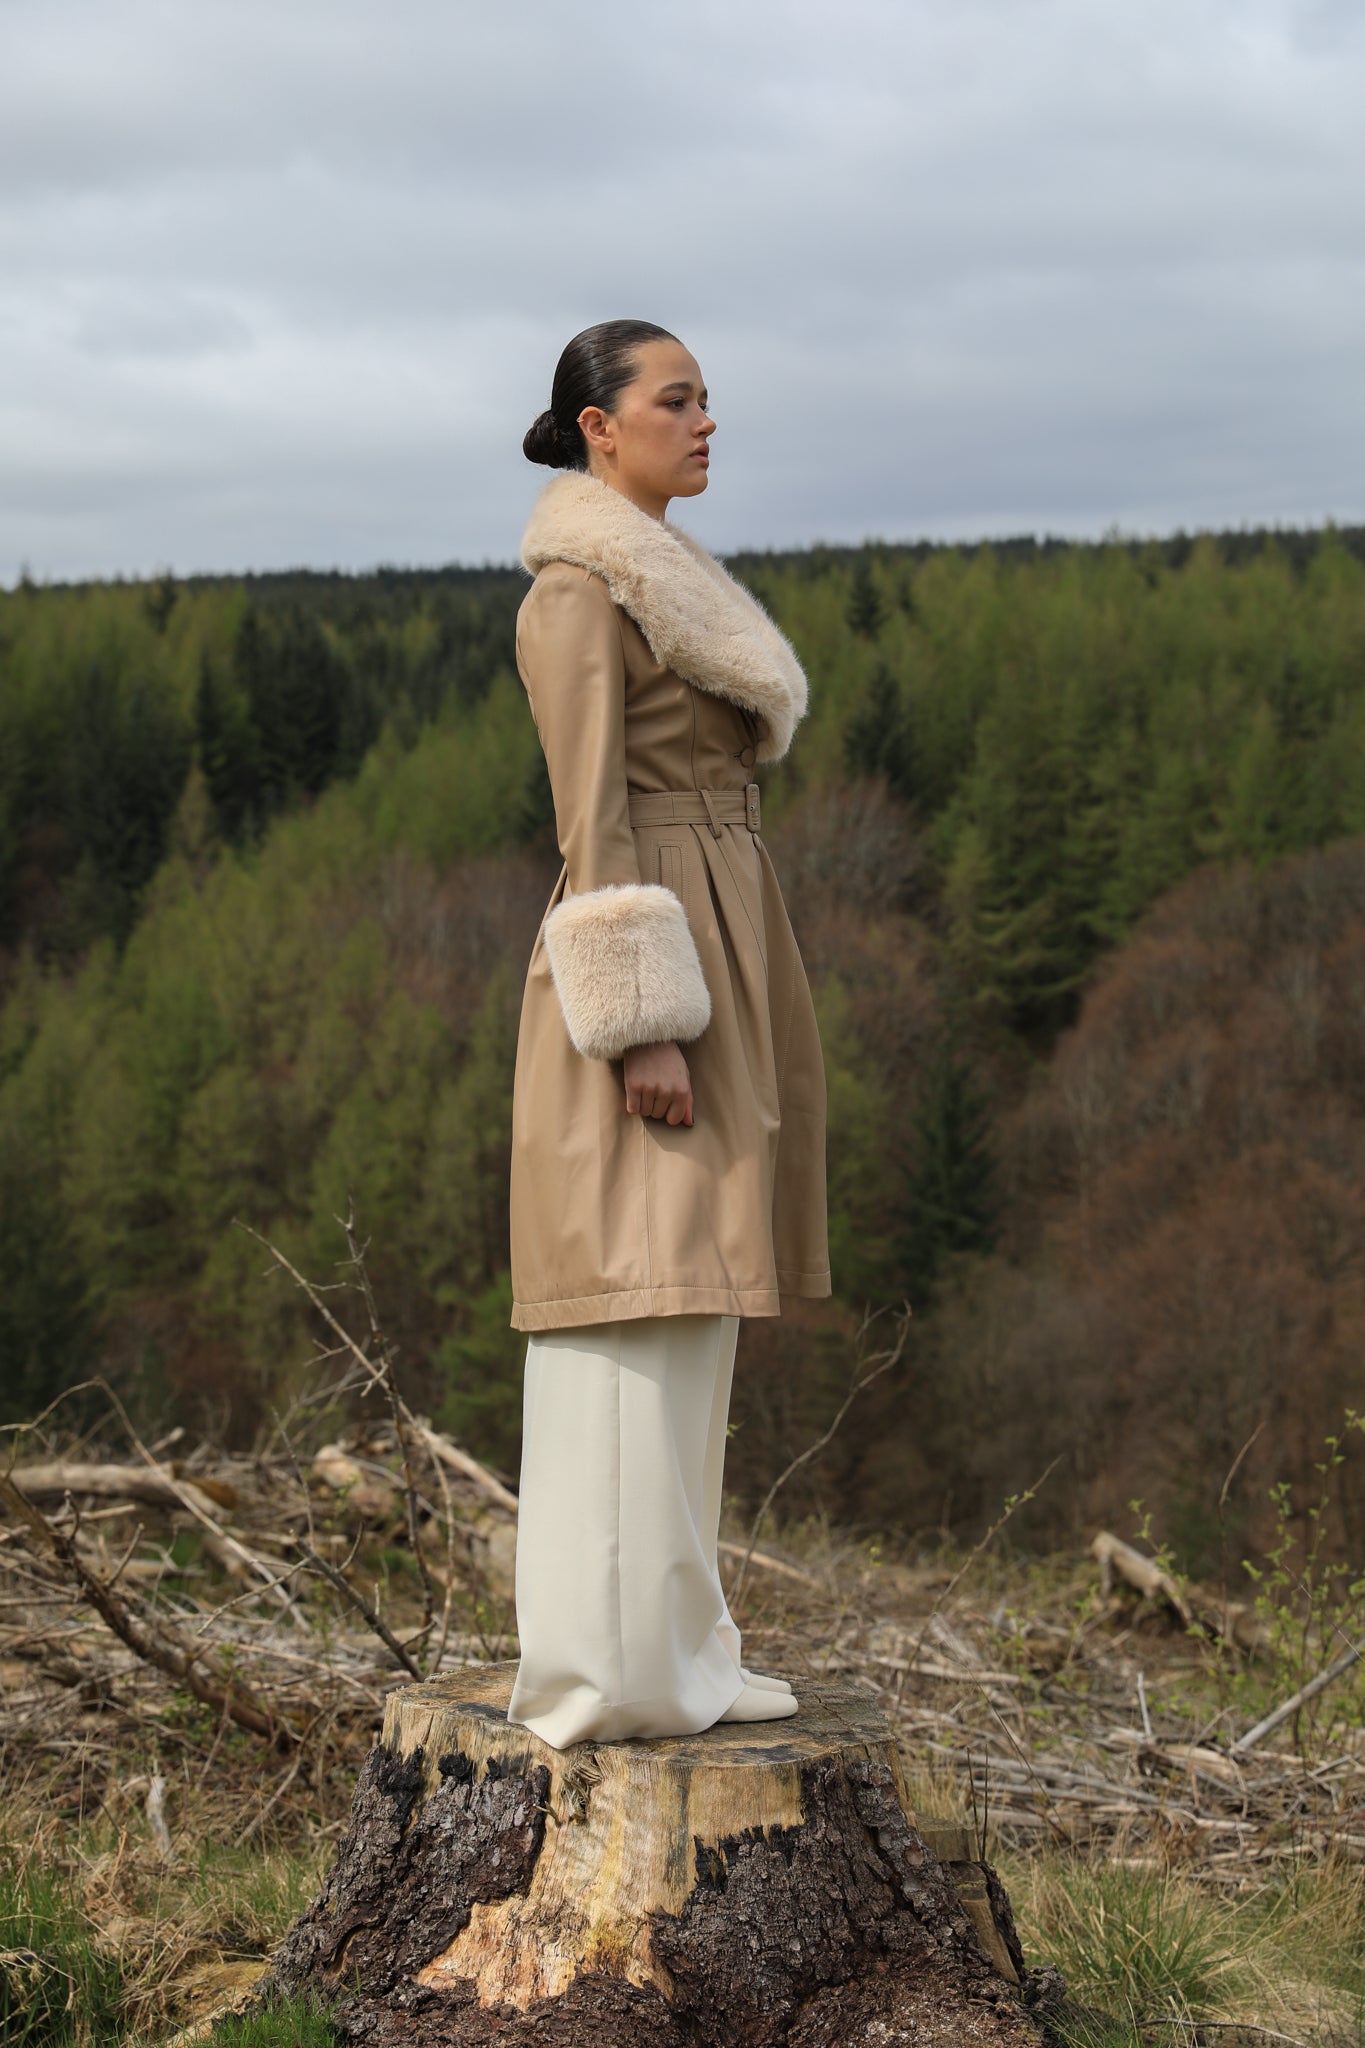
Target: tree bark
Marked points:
755	1885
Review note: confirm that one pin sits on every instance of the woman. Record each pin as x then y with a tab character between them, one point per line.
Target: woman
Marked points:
657	1195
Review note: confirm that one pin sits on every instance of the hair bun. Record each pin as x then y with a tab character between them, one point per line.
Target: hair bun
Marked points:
545	443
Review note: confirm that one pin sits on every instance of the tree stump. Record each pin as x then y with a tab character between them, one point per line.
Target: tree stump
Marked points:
757	1884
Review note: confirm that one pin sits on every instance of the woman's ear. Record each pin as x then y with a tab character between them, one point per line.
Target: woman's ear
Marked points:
596	429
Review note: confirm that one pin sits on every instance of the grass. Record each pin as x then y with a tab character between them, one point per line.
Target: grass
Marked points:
101	1941
1141	1943
299	2023
1165	1956
59	1987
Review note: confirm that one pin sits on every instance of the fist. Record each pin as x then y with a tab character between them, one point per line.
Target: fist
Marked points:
657	1082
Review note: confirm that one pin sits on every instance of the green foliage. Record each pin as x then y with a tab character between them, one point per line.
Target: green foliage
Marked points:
464	789
1311	1606
243	976
865	610
275	686
290	2023
58	1987
950	1200
860	1169
876	738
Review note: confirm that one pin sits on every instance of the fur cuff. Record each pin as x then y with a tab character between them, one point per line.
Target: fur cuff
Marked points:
626	968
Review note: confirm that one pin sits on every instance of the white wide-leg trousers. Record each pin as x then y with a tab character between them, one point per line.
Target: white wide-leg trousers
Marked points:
621	1615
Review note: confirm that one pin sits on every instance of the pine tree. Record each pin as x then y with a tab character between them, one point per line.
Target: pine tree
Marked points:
46	1315
865	611
160	601
228	754
950	1203
876	738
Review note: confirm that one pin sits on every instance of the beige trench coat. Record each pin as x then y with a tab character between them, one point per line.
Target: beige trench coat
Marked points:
666	921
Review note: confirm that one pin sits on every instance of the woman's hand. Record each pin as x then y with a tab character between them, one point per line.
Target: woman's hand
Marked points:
657	1081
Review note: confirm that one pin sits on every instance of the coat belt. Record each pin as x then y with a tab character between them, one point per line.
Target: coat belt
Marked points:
713	807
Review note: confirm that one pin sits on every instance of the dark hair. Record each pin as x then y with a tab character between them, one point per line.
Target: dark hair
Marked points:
594	369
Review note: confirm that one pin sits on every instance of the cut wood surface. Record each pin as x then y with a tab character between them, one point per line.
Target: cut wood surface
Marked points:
755	1884
1141	1573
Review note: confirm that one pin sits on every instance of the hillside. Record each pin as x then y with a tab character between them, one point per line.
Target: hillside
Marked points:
1072	840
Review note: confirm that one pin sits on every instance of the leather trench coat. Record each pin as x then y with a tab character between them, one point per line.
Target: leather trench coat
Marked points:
666	921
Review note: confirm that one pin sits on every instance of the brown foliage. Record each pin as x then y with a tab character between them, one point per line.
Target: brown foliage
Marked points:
1184	1258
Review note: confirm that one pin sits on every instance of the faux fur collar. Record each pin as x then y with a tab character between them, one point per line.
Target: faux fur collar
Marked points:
697	620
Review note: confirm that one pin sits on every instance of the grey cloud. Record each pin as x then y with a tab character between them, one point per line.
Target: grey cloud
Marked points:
287	283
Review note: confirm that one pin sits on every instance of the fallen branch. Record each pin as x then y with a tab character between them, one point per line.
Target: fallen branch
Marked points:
371	1616
1231	1622
1300	1699
149	1637
450	1455
770	1564
406	1426
156	1487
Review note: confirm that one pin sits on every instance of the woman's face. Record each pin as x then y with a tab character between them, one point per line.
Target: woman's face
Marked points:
653	446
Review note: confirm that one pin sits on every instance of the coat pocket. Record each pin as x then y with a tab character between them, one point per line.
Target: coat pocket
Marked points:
671	871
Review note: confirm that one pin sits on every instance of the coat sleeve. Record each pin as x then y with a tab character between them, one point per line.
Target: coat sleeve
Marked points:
624	962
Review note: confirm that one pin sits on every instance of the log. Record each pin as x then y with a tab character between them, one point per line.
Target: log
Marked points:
1230	1621
1145	1577
754	1885
151	1484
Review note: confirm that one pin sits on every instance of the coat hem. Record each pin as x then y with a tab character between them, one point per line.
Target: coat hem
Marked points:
622	1304
809	1285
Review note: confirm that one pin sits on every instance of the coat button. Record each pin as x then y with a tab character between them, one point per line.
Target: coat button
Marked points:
746	755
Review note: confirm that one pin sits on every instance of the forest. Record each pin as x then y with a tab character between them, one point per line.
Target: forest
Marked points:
1073	841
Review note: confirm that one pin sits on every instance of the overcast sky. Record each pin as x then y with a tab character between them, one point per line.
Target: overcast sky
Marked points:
285	284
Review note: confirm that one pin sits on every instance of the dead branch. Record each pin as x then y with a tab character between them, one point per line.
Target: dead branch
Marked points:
219	1541
1301	1698
761	1560
861	1383
444	1452
150	1637
370	1615
404	1422
1232	1623
934	1619
157	1487
407	1426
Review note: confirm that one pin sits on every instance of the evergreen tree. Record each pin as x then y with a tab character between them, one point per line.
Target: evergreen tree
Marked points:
998	935
228	754
865	610
876	738
160	601
46	1321
126	761
950	1201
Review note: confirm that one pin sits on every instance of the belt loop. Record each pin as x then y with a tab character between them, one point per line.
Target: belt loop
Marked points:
751	811
707	799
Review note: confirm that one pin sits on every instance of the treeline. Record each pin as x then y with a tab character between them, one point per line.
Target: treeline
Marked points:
273	687
273	854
